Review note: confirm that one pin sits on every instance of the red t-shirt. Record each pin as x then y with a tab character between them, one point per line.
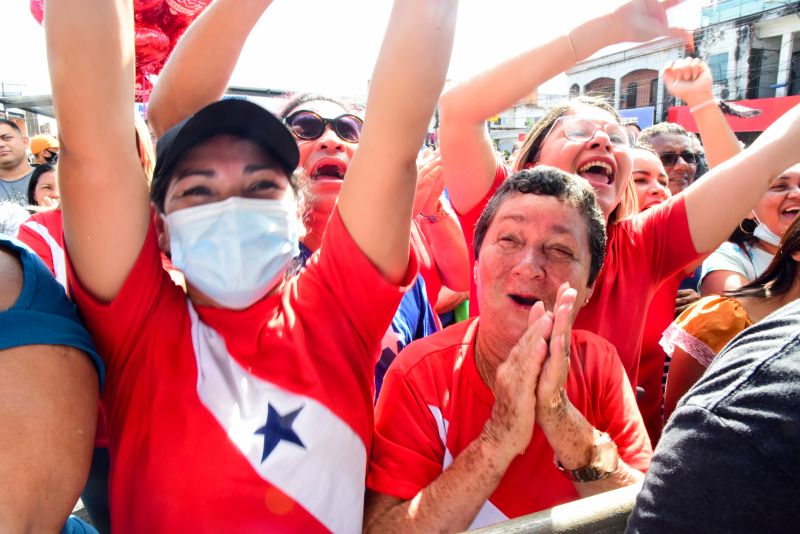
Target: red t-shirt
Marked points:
468	221
243	421
641	253
434	404
427	264
44	233
651	364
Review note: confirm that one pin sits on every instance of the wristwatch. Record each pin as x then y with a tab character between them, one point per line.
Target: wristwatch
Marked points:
604	462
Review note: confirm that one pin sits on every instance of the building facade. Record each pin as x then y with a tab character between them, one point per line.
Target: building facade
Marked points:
629	79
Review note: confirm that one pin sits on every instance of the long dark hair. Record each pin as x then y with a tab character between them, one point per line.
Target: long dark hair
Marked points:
782	272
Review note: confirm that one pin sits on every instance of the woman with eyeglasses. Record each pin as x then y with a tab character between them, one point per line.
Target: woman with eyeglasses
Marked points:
753	245
586	137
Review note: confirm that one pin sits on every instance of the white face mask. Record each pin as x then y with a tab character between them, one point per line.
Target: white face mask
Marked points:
765	234
235	250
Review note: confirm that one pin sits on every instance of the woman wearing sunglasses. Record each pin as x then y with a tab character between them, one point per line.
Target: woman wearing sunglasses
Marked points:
585	137
751	246
245	403
328	133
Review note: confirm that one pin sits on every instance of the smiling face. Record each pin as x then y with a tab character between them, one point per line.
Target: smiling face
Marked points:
605	166
650	179
533	245
46	191
681	174
780	204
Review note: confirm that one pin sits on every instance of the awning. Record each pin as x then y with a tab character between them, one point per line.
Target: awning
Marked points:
42	104
772	108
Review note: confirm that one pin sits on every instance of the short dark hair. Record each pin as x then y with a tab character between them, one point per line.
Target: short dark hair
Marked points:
13	125
567	188
37	173
662	128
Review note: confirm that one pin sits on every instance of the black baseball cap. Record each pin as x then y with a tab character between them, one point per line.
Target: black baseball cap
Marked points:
230	116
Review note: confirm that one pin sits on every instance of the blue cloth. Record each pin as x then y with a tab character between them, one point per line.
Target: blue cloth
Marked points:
413	320
728	458
76	525
43	315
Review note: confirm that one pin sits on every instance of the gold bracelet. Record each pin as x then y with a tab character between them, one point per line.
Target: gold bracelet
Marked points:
571	49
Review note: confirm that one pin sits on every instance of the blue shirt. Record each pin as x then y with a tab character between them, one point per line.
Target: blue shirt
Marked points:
43	314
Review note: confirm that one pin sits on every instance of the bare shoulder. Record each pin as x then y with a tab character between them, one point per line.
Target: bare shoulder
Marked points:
11	274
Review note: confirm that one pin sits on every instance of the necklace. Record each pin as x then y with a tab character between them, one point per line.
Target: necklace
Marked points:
484	369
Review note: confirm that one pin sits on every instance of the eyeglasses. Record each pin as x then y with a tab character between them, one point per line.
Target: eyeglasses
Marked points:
308	126
669	159
582	130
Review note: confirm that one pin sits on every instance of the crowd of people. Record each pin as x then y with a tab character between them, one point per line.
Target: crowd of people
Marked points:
284	322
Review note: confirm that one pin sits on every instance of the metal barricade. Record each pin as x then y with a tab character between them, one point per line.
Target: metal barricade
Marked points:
606	513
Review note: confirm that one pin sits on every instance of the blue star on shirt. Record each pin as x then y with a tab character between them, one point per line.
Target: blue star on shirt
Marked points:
278	428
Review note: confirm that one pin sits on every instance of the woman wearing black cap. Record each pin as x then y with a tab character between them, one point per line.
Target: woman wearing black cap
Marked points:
247	403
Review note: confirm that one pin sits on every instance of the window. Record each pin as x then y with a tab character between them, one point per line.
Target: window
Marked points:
718	64
653	92
631	92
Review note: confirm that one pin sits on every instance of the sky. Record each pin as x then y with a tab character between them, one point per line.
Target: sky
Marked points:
330	46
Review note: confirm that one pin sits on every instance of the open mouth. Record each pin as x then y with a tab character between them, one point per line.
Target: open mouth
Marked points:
524	301
791	212
597	172
329	170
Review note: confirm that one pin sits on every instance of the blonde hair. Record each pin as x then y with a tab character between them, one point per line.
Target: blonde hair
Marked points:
532	146
144	145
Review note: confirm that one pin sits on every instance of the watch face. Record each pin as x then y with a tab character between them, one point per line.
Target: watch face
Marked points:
606	456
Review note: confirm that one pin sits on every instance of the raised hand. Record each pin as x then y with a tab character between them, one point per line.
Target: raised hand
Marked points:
430	184
643	20
690	80
550	393
510	427
685	298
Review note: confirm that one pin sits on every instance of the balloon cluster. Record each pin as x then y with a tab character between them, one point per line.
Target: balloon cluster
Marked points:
158	26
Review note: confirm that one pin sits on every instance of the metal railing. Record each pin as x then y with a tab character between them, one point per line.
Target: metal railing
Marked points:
606	513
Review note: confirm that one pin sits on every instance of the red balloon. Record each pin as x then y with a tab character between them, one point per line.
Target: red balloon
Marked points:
37	10
190	8
152	45
143	87
140	6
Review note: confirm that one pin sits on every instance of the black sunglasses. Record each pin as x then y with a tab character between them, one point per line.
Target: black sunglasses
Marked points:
669	159
308	126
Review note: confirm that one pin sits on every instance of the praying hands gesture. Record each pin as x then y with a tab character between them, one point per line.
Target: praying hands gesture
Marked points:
529	384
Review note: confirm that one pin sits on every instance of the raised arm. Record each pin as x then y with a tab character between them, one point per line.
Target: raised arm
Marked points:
199	68
467	151
725	195
690	80
440	227
378	192
104	193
